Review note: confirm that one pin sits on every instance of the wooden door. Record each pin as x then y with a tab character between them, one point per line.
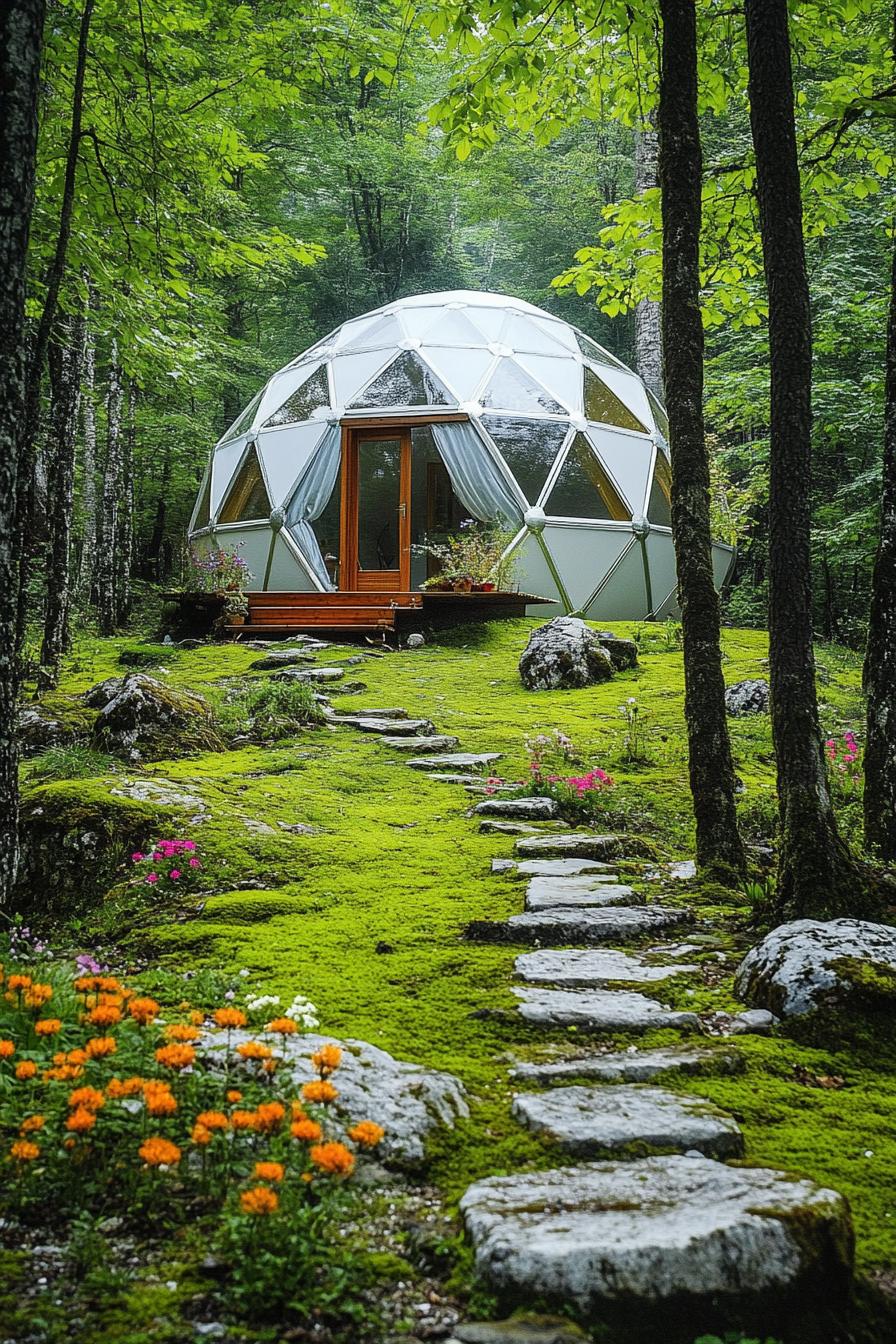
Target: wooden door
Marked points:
376	510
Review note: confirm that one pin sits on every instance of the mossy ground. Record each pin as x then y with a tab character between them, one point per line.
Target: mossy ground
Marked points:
395	863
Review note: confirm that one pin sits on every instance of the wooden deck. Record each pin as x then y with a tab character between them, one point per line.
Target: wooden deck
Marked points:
280	614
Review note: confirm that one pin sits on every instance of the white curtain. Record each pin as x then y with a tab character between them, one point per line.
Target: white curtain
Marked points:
310	498
478	481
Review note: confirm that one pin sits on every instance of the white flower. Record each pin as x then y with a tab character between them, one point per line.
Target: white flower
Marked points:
262	1001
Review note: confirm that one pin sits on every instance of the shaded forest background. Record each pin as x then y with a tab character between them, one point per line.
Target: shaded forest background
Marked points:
246	179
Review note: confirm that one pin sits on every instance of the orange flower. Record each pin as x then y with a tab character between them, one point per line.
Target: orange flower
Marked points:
26	1069
176	1056
17	982
100	1046
298	1111
81	1120
85	983
31	1123
199	1134
320	1090
253	1050
77	1056
307	1130
159	1098
243	1119
127	1087
179	1031
104	1015
88	1097
144	1011
23	1150
269	1171
7	1049
233	1096
334	1158
366	1133
197	1017
230	1017
160	1153
259	1200
47	1026
326	1059
269	1116
66	1073
284	1025
37	995
212	1120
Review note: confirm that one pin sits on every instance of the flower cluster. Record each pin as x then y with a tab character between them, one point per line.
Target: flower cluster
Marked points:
217	570
268	1008
550	756
844	758
169	863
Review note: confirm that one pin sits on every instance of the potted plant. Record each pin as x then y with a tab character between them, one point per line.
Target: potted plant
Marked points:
471	560
235	608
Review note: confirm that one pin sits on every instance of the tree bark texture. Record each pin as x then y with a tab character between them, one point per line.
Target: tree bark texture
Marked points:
710	765
21	37
106	566
124	542
88	469
648	317
64	359
880	655
816	873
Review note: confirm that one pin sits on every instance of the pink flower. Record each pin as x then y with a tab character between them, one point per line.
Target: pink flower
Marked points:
174	874
194	863
152	878
137	858
189	844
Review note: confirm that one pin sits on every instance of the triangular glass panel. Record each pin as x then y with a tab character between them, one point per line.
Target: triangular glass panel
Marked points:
243	421
247	498
225	460
659	414
417	321
285	452
373	335
526	336
604	406
659	507
490	321
561	376
529	447
594	351
406	382
583	489
453	328
513	390
309	397
558	330
627	459
623	595
203	512
460	370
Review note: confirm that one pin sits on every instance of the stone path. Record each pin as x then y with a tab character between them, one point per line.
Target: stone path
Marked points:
671	1242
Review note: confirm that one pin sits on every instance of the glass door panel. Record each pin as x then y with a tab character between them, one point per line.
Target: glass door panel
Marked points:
379	504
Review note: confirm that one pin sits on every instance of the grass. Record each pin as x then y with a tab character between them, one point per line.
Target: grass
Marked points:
365	913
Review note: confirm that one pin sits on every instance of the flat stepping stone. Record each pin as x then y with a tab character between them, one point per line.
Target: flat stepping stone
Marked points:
564	868
586	1121
435	743
546	893
680	1242
581	845
562	926
630	1066
462	762
313	674
600	1010
392	727
584	967
519	809
281	658
357	714
491	826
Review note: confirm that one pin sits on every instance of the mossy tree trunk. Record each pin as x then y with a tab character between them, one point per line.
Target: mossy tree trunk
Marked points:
648	317
88	539
817	876
21	37
711	770
106	562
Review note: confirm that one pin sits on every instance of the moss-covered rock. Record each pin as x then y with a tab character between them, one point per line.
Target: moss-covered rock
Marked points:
55	722
147	720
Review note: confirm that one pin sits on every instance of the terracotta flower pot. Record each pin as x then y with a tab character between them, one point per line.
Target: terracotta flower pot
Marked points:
463	585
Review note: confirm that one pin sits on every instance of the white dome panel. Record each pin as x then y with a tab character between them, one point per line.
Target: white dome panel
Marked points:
352	372
373	335
283	454
416	322
627	458
461	371
490	321
558	331
630	391
453	329
224	464
624	594
583	555
524	335
561	376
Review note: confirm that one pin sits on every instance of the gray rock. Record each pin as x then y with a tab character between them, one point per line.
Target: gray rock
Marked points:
794	970
392	727
518	1330
630	1066
565	868
562	655
278	658
547	893
415	641
747	697
491	826
466	762
623	652
358	714
586	1121
581	845
600	1010
37	729
503	865
519	809
410	1102
437	742
145	719
316	674
755	1021
99	695
563	926
572	967
632	1242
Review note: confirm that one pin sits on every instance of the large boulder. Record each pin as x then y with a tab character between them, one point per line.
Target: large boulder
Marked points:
747	697
56	724
143	719
564	655
809	964
623	652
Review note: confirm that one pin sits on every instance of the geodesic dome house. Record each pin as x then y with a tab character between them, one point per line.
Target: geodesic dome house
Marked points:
388	433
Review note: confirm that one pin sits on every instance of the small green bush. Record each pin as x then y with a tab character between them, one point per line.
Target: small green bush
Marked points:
271	710
69	762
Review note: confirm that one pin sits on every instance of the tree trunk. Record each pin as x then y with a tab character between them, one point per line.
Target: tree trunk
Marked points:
125	540
88	484
648	317
719	848
64	359
817	876
106	560
21	36
880	656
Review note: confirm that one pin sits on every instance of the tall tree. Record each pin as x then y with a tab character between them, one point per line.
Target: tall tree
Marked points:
816	875
710	765
21	37
109	535
87	555
648	318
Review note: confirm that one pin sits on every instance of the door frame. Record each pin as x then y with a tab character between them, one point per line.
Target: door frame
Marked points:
351	577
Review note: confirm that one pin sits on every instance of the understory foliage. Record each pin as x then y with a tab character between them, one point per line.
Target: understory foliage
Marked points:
113	1104
272	710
